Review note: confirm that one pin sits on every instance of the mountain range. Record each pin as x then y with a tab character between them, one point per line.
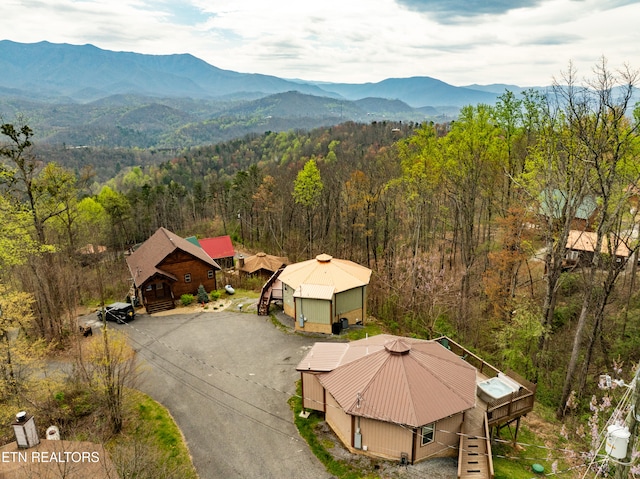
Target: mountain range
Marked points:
81	94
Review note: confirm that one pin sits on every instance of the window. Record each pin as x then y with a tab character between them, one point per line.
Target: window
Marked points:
210	274
159	285
187	278
427	434
149	287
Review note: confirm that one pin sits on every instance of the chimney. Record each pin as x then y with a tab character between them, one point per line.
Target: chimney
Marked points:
240	261
25	431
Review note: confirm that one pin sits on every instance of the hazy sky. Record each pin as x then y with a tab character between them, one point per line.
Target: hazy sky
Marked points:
523	42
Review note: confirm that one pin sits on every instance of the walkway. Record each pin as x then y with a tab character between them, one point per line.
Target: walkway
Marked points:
474	459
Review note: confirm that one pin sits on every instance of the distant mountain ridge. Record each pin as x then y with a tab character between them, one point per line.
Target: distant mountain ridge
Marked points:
82	73
81	95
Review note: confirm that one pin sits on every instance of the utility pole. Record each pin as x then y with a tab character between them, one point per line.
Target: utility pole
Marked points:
622	469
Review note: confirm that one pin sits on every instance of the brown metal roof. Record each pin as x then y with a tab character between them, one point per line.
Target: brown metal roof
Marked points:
328	356
406	381
326	270
143	262
324	357
263	261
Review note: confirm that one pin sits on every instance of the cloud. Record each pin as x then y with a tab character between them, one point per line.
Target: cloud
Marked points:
553	39
454	11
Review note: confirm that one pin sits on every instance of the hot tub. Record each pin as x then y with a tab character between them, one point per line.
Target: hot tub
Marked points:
495	388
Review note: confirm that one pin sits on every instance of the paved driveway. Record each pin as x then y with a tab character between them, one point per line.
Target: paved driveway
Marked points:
226	377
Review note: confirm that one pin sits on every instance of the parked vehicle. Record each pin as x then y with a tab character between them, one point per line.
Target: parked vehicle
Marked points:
118	312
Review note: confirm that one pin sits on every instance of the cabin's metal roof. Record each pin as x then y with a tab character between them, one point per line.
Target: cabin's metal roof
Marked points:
218	247
325	270
314	291
401	380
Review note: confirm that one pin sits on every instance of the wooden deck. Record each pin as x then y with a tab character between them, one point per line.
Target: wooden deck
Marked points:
474	455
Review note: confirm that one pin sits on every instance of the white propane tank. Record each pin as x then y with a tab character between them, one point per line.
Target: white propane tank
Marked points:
617	441
53	433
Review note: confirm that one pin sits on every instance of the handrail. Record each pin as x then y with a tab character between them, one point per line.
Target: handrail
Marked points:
271	280
460	450
480	364
488	442
267	286
514	406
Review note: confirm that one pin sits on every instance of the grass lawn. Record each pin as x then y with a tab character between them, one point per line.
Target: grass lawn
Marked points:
151	444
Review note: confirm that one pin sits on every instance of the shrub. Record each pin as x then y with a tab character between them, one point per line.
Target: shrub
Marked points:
203	297
214	295
186	299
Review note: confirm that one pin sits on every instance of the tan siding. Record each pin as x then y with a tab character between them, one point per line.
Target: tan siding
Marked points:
314	328
442	439
352	316
385	439
312	392
339	421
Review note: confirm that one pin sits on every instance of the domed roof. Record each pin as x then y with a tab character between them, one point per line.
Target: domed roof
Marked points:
326	270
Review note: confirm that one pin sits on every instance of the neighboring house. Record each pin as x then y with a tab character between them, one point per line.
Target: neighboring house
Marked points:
410	399
261	264
553	204
92	249
325	294
167	266
581	246
220	249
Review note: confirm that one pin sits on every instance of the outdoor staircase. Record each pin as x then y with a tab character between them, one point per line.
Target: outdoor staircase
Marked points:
158	306
474	457
266	294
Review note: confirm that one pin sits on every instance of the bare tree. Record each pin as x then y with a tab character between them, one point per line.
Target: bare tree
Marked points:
597	118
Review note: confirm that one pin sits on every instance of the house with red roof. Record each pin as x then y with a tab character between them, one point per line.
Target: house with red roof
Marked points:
220	249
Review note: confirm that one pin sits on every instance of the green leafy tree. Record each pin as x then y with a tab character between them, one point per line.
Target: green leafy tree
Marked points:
119	210
307	191
19	354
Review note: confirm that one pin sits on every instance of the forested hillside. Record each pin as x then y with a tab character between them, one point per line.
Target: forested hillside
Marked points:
464	224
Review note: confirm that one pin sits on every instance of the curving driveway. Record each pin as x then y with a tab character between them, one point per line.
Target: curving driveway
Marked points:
226	377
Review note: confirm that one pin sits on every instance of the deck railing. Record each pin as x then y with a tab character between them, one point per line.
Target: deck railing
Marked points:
487	438
516	404
504	409
482	366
